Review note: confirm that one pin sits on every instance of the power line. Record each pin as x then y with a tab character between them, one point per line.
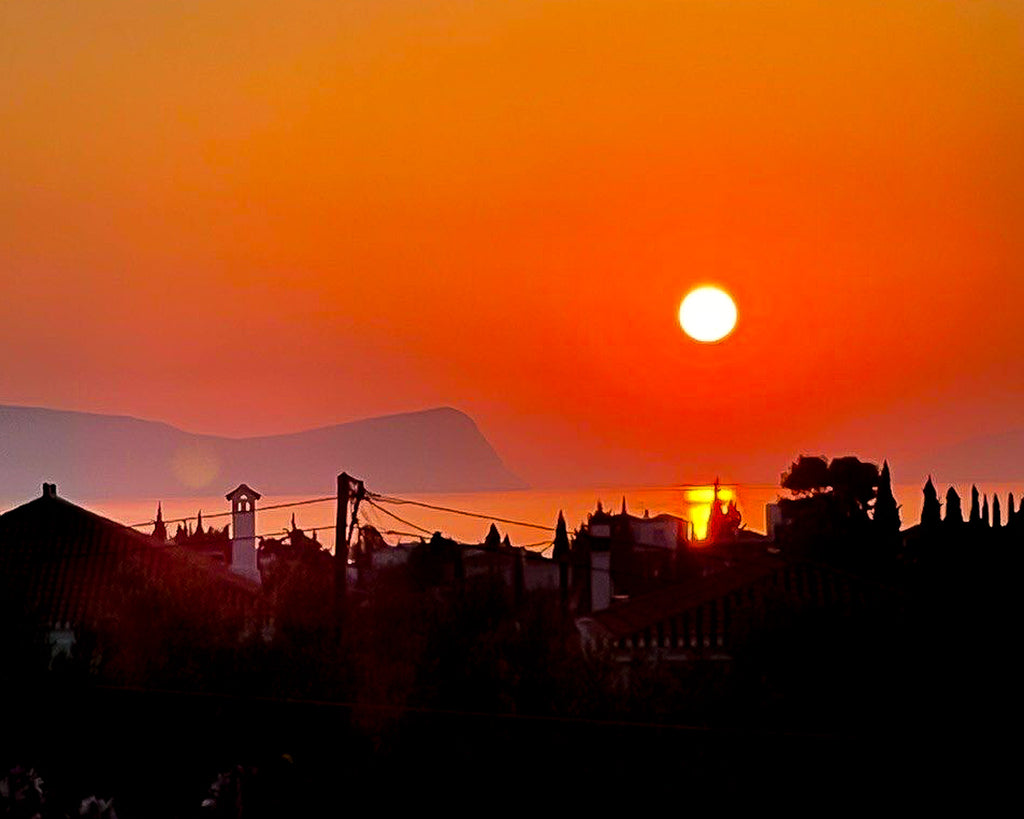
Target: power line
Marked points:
481	547
396	517
372	497
409	502
227	514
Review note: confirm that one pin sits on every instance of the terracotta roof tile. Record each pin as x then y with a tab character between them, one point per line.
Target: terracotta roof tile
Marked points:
64	561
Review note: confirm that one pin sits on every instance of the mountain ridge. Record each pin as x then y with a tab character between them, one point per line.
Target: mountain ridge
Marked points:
440	449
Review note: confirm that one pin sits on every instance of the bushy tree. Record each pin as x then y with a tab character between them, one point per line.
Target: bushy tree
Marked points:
830	510
806	476
849	481
854	484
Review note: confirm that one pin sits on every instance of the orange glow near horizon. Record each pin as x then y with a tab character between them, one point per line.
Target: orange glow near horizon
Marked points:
699	500
246	222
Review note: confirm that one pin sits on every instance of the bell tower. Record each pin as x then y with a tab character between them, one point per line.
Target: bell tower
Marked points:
243	531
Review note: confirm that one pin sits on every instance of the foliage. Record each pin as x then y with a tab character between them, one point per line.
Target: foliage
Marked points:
561	544
954	509
850	481
807	475
886	514
931	510
169	628
974	518
829	514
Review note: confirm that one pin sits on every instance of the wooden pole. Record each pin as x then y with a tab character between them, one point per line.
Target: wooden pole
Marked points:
341	545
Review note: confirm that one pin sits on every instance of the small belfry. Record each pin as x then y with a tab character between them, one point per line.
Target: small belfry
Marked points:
243	529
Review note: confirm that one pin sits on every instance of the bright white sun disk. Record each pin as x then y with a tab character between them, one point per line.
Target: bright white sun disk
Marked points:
707	314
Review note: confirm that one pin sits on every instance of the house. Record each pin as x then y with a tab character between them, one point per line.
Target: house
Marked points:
708	615
685	621
621	555
67	569
442	561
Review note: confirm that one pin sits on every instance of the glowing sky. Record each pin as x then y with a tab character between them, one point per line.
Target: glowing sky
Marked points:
248	217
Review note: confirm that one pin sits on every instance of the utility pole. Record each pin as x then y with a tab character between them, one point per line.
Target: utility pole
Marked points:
348	489
341	546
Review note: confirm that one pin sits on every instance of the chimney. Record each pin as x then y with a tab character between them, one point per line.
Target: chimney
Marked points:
49	490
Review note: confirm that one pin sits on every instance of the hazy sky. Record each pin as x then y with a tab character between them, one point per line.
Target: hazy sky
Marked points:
249	217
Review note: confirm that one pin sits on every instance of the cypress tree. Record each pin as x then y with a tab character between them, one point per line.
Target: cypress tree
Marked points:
931	511
984	511
954	511
996	517
975	514
887	512
561	551
561	554
493	539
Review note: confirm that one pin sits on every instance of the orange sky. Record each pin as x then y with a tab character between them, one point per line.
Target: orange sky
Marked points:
250	217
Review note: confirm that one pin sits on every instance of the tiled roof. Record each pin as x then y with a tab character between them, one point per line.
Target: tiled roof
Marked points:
65	563
647	610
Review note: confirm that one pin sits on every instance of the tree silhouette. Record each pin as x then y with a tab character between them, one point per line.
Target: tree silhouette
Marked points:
996	516
561	554
886	514
807	475
853	484
830	511
954	510
931	510
849	480
975	515
561	551
493	539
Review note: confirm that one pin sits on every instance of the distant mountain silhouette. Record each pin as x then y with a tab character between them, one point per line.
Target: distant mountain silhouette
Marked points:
89	455
994	457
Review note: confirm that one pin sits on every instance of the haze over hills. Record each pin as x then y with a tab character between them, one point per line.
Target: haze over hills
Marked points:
994	457
91	455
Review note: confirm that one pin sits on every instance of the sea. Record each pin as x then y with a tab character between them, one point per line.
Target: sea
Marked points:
527	516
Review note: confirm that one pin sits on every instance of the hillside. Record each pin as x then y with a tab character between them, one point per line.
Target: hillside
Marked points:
993	457
89	455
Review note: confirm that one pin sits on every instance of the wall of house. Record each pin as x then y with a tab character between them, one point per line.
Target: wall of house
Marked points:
600	580
662	533
540	575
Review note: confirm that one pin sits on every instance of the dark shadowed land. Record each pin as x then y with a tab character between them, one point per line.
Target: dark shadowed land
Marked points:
437	450
852	656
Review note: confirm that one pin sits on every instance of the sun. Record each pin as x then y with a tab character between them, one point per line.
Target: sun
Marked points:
707	314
